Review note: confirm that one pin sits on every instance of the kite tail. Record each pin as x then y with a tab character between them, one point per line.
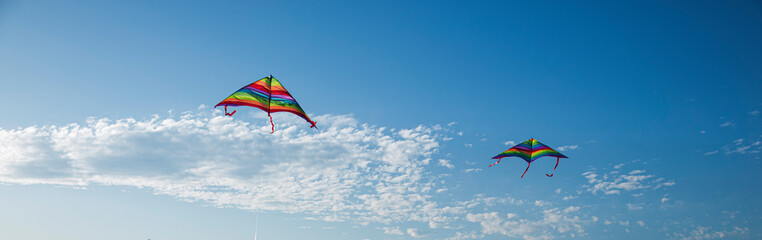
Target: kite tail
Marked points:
226	111
554	169
272	126
498	161
525	171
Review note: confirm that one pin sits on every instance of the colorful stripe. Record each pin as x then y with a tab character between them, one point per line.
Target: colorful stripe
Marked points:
530	150
267	94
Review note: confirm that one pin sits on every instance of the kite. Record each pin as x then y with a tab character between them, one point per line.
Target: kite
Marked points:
530	150
267	94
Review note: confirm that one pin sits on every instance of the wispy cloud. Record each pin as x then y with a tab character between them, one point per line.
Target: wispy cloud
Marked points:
740	146
567	147
554	222
414	232
705	233
615	182
393	230
446	163
466	235
633	206
727	124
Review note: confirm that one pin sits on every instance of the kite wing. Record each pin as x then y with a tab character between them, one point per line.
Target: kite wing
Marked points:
267	94
530	150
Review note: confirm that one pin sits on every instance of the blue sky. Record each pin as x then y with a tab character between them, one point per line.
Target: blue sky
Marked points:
108	129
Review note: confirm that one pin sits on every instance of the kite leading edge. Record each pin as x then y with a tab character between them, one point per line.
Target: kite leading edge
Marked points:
530	150
267	94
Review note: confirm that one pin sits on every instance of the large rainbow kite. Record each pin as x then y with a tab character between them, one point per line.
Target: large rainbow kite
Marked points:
530	150
267	94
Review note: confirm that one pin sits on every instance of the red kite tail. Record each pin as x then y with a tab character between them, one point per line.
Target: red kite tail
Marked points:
525	171
554	169
314	126
498	161
272	126
226	111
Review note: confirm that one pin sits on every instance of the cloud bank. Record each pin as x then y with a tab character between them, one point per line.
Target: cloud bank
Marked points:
344	171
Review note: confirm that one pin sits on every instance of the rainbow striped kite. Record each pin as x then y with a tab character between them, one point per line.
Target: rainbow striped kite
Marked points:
267	94
530	150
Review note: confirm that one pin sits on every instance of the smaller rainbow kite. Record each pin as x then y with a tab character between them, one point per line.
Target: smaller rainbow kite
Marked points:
267	94
530	150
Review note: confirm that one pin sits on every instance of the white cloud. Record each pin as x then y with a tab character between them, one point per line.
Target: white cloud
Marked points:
614	183
667	183
466	235
510	143
702	233
414	232
344	171
711	153
754	113
472	170
568	147
631	206
446	163
571	209
553	223
741	150
541	203
741	146
570	197
727	124
393	230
